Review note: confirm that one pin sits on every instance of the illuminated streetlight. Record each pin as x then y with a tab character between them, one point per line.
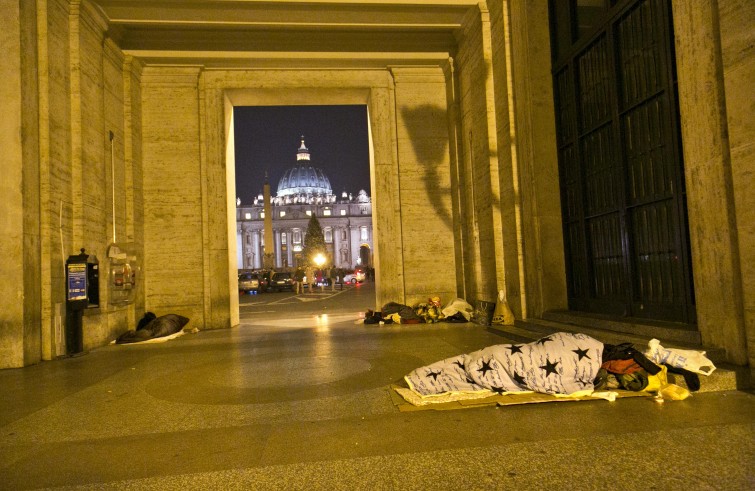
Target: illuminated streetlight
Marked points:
319	260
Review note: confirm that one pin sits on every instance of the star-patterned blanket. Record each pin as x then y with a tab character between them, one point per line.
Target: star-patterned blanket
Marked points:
561	363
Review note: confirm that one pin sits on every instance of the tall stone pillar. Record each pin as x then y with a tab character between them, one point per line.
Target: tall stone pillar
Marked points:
256	262
336	247
20	295
278	248
706	139
268	260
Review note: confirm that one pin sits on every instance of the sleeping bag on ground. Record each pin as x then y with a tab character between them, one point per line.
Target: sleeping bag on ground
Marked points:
560	363
155	328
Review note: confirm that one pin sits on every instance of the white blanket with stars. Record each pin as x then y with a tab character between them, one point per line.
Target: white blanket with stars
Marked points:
560	363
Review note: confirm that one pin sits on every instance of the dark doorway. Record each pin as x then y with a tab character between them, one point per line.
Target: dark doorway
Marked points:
620	163
364	256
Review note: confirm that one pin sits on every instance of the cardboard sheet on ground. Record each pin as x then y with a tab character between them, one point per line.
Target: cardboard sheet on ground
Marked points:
556	368
399	394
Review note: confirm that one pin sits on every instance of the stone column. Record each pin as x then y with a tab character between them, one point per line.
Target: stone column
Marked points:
256	259
532	165
337	247
708	174
277	248
424	184
20	294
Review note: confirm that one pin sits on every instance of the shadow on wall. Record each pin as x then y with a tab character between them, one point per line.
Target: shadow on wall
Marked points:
432	157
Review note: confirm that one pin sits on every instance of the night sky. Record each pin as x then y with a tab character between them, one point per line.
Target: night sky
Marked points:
268	137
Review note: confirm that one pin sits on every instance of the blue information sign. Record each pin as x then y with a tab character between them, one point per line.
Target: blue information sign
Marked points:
77	281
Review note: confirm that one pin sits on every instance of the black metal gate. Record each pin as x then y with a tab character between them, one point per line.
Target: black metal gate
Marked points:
621	170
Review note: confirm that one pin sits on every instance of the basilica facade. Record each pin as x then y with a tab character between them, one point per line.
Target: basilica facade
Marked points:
305	191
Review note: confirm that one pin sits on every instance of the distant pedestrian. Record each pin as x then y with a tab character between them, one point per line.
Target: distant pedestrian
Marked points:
299	280
310	273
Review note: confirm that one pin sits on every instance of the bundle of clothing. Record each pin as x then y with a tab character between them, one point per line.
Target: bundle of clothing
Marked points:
428	312
560	364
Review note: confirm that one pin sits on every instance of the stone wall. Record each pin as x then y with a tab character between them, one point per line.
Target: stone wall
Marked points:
535	269
72	95
56	217
477	198
172	189
713	223
19	249
736	21
424	185
133	176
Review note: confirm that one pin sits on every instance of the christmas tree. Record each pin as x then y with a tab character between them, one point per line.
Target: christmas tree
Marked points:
314	241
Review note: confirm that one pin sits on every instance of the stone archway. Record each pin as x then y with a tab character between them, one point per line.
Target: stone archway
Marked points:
372	91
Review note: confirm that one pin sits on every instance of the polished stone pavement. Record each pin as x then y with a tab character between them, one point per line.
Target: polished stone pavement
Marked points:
298	397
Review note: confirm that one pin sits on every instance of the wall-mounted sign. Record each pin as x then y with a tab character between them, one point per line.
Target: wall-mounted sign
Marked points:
77	281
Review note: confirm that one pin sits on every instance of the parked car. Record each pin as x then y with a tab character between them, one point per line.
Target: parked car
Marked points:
355	277
281	281
249	282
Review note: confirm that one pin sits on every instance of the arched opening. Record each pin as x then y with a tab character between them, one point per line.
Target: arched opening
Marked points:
365	259
344	243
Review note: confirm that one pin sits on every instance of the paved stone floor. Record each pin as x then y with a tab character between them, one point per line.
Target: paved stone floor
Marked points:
298	397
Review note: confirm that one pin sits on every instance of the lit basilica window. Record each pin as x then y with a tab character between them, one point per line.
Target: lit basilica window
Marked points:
282	214
309	213
262	214
363	233
328	235
248	216
343	212
297	236
326	212
283	238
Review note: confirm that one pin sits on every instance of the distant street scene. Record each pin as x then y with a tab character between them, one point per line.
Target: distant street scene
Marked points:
345	299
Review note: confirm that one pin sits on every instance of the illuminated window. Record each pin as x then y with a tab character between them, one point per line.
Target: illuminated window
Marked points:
363	233
297	236
326	212
248	216
283	238
282	214
309	213
328	235
262	214
343	212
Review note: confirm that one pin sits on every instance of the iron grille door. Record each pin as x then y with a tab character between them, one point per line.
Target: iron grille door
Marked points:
622	177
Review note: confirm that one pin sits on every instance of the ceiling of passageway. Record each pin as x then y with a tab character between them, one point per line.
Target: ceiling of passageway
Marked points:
287	33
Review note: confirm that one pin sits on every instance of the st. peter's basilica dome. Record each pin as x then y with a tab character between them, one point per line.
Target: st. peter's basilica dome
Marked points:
303	180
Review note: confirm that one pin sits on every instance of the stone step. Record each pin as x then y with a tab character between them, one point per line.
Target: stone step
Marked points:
682	334
725	377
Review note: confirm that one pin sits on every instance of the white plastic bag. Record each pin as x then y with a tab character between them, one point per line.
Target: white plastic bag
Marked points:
458	305
694	361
